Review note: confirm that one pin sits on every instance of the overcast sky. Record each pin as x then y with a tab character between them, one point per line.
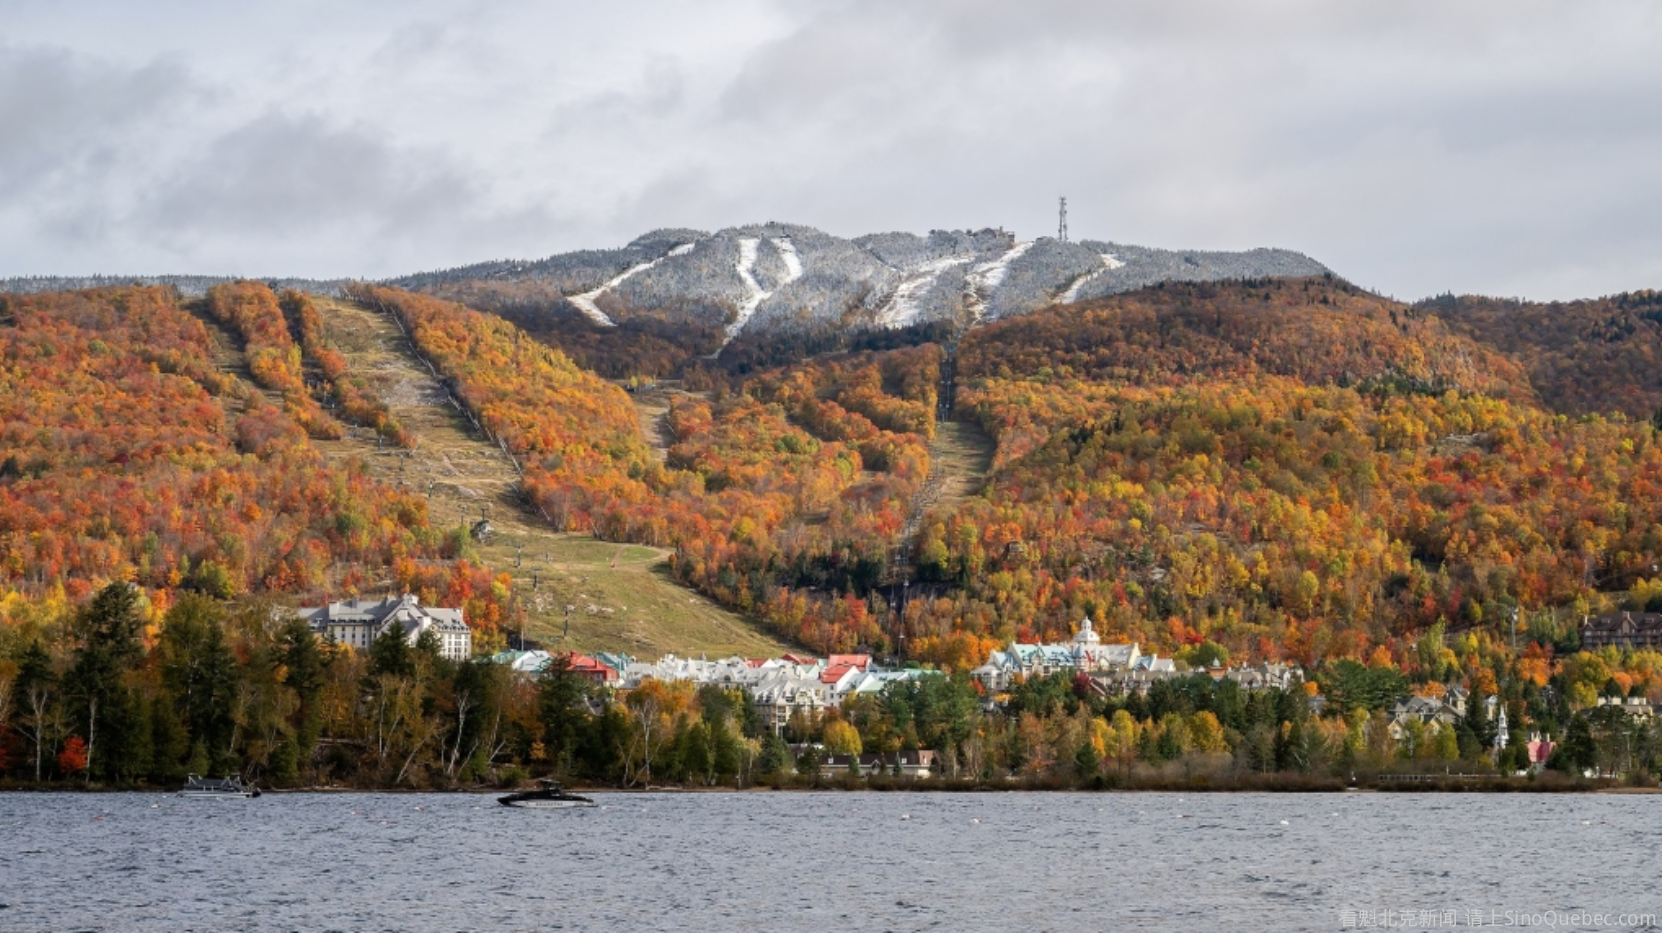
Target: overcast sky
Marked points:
1507	147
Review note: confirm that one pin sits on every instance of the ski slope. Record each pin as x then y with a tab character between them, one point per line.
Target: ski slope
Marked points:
1109	261
902	309
586	301
984	279
755	294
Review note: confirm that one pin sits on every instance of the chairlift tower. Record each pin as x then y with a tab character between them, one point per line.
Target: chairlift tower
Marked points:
1062	220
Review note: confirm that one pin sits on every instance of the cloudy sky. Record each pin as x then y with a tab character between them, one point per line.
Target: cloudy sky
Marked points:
1508	147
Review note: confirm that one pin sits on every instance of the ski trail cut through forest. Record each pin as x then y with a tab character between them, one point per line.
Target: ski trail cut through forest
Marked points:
652	409
586	301
984	278
964	452
793	262
960	457
230	357
902	309
1109	261
746	268
960	460
580	593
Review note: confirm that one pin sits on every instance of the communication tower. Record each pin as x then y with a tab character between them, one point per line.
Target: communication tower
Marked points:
1062	221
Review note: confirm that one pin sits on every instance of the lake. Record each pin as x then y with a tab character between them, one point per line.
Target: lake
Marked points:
785	861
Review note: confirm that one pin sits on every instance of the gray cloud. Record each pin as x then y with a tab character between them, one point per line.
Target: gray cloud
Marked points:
1504	146
63	114
287	175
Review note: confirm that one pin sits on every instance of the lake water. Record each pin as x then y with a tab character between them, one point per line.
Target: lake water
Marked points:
778	861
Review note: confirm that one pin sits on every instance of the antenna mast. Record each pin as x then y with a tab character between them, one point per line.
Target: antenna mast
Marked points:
1062	222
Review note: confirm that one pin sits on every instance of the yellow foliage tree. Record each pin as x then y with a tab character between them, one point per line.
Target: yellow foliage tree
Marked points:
841	737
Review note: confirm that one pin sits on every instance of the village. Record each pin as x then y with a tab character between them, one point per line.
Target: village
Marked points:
790	690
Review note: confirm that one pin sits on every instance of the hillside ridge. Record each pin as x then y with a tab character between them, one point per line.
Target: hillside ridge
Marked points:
777	277
782	278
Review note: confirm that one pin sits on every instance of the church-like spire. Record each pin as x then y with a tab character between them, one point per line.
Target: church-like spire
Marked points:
1086	634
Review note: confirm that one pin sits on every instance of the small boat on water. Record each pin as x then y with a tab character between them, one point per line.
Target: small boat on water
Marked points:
228	787
550	795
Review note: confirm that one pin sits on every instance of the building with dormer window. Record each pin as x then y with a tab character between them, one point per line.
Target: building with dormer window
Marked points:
358	623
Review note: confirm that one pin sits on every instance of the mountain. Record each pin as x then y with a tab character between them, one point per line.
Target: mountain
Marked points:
785	277
779	291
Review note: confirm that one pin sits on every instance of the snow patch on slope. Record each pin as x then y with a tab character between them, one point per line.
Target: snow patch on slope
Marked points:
793	262
756	295
586	301
902	309
984	279
1109	261
746	268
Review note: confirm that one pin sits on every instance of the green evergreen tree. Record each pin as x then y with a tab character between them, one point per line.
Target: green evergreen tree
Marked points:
390	654
102	704
1086	762
200	672
562	705
305	671
1577	751
1476	723
169	742
693	753
775	757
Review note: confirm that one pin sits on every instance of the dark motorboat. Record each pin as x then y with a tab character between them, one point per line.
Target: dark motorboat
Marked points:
550	795
228	787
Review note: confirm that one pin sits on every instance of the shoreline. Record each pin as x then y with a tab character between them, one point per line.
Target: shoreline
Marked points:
1495	785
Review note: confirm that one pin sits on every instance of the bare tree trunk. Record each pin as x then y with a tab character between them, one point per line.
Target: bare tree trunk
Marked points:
429	729
38	697
464	703
238	719
407	760
496	744
92	730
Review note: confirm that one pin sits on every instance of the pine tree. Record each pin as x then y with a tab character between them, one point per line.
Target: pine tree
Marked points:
108	628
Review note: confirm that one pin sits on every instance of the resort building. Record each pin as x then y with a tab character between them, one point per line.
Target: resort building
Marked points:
1622	630
358	623
1086	652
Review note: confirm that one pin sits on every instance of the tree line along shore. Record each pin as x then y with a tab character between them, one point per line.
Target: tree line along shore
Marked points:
244	688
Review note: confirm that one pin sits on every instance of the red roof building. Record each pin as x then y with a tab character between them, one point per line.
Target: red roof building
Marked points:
861	662
834	673
587	666
1540	750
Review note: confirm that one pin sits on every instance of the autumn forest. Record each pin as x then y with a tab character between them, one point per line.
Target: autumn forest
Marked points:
1398	499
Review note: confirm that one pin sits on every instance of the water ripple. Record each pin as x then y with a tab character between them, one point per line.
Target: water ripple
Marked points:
786	862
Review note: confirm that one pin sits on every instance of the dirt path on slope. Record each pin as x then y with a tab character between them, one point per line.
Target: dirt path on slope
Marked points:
652	408
582	594
960	457
229	357
964	453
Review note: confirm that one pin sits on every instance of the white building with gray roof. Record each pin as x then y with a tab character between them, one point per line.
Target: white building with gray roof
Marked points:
358	623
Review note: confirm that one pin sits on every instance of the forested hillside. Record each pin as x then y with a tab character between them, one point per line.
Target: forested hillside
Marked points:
129	455
1290	468
1293	470
1259	470
782	501
1597	355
